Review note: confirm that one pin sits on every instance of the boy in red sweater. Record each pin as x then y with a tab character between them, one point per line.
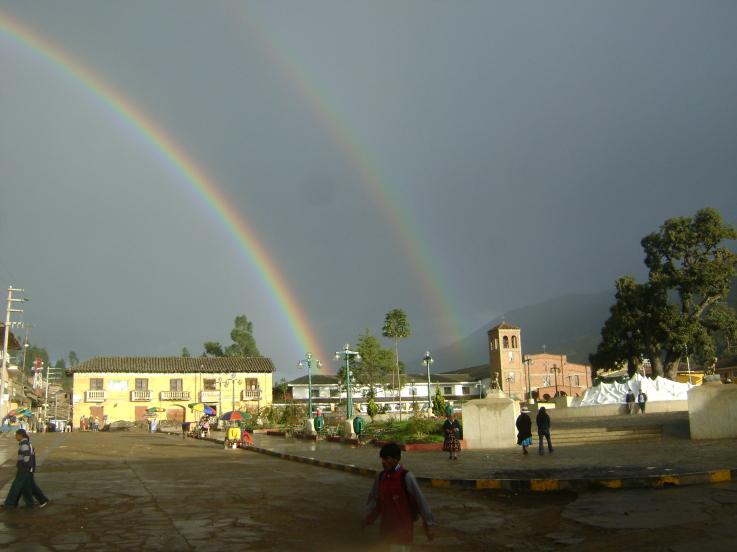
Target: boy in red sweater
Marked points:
397	498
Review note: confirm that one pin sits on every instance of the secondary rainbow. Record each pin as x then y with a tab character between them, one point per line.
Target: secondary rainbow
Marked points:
426	267
198	182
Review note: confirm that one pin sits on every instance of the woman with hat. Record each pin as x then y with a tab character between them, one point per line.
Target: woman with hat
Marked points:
452	431
524	429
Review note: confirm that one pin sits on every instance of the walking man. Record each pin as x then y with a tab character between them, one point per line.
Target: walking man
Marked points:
24	484
543	429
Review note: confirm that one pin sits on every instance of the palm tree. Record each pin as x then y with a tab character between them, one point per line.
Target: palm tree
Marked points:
396	327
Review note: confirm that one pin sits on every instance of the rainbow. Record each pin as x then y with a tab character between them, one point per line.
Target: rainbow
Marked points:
425	266
204	187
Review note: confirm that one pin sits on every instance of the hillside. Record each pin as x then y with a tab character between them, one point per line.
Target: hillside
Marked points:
570	324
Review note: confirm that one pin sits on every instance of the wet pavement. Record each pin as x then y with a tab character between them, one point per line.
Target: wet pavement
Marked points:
670	455
135	491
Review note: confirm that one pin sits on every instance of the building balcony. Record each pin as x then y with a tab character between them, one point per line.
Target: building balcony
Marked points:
94	396
174	396
250	394
140	395
210	396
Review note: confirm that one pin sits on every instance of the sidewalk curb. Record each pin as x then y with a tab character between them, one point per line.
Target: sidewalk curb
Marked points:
532	484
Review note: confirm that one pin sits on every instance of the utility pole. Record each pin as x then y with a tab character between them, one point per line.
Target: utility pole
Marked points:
4	373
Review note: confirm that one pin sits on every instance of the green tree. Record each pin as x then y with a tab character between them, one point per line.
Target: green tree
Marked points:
213	349
396	327
680	310
61	363
438	403
73	359
244	343
185	353
375	364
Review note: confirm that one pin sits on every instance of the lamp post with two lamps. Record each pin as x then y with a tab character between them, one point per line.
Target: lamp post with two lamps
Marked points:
427	361
231	381
346	354
555	371
308	361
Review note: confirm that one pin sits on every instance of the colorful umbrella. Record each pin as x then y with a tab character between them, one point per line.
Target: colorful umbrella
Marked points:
155	409
235	415
204	408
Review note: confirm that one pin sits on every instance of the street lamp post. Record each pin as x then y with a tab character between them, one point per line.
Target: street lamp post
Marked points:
528	360
231	381
346	354
555	371
509	387
428	360
308	360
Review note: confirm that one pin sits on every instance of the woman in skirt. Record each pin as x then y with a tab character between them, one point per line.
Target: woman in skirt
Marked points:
524	429
452	431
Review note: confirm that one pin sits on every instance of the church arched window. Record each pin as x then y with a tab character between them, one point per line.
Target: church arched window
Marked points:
505	342
514	342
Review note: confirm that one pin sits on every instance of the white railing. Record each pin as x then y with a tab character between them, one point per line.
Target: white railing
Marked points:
174	395
209	396
250	394
94	396
140	395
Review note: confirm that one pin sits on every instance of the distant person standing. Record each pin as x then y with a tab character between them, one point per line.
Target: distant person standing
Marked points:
543	429
642	400
452	432
24	484
524	429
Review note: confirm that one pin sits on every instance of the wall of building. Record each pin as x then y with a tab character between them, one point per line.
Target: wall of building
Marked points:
120	402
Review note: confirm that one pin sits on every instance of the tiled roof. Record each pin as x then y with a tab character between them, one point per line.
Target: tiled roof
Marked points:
317	379
505	326
175	365
13	344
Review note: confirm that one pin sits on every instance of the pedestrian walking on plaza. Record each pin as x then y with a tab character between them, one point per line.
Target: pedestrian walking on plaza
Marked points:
629	400
524	429
24	484
543	429
397	499
452	432
642	400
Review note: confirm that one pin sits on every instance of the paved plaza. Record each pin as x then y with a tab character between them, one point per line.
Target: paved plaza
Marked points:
135	491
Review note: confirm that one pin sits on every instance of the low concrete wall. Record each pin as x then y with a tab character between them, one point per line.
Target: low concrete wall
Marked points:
489	423
712	411
612	409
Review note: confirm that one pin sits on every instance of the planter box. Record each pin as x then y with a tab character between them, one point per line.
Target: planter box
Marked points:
275	433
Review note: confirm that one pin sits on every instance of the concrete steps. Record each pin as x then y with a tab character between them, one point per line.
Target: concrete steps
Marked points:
579	436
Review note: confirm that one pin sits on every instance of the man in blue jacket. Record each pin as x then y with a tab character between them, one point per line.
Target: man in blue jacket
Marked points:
24	485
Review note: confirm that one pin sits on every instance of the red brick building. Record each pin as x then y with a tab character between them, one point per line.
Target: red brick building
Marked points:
543	375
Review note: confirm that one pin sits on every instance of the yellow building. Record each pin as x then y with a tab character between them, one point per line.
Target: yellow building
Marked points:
124	388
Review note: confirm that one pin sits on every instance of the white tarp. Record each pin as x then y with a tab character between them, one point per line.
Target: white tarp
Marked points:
658	389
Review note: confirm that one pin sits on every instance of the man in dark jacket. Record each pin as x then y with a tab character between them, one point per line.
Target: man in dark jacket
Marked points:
543	429
24	485
642	400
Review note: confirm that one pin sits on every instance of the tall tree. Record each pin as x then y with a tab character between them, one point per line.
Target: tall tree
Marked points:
185	353
61	363
73	359
244	343
396	327
680	310
375	364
